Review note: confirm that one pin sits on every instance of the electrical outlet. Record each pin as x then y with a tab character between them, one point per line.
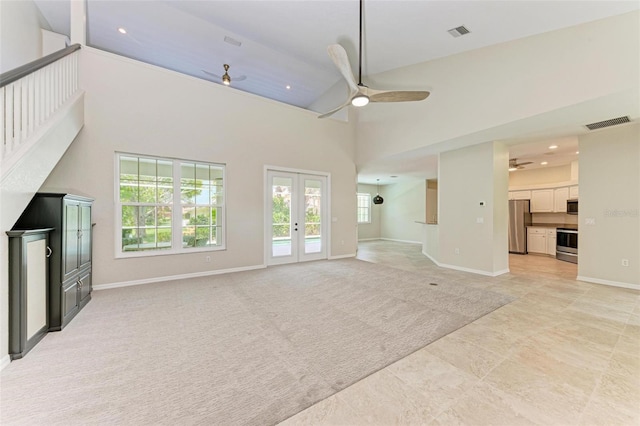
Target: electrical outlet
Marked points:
457	251
625	262
207	259
480	220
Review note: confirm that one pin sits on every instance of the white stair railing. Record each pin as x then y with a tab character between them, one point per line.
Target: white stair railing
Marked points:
29	95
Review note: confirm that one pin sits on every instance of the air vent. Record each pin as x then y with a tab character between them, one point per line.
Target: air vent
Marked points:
232	41
459	31
607	123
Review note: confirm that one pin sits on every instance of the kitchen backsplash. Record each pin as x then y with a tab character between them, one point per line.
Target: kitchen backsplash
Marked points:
569	219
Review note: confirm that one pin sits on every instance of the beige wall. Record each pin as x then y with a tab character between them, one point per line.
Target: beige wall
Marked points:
516	81
610	196
467	177
143	109
546	175
404	204
370	231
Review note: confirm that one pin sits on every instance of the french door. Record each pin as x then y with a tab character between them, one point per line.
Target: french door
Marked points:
296	217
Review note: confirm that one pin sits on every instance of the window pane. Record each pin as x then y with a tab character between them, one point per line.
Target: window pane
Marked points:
147	192
202	236
147	169
188	236
129	216
128	191
130	240
164	216
202	173
148	216
187	174
203	216
164	238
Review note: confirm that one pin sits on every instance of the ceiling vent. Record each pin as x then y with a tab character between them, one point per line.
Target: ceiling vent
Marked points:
459	31
607	123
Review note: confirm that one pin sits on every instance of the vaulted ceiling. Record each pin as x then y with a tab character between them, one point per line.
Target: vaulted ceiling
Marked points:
280	47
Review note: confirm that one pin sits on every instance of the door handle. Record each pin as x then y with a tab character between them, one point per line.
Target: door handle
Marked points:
49	251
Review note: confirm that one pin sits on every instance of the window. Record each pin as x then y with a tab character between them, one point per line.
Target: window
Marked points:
168	205
364	208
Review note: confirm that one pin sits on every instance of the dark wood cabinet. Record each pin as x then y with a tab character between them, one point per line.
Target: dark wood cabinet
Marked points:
70	242
28	289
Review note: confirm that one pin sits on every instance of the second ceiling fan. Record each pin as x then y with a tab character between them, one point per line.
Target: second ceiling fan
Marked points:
359	94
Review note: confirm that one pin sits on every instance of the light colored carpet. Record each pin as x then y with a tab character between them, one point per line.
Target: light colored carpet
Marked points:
244	348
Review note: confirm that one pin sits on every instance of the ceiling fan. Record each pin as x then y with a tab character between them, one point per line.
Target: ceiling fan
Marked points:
514	165
359	94
225	78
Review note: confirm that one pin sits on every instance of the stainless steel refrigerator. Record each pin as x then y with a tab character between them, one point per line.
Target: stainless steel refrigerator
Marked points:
519	219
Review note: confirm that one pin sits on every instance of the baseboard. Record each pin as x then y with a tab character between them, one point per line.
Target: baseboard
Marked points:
460	268
175	277
342	256
401	241
608	282
431	258
474	271
6	360
368	239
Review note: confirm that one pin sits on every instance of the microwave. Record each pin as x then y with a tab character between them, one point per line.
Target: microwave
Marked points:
572	206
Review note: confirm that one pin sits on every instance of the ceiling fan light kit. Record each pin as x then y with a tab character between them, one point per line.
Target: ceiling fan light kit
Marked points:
226	78
378	199
360	100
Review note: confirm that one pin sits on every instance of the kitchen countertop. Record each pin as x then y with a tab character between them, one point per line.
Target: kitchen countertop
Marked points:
555	225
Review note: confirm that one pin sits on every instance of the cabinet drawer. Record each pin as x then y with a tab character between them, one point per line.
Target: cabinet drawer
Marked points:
537	230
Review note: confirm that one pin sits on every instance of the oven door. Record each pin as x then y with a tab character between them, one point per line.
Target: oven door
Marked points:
567	241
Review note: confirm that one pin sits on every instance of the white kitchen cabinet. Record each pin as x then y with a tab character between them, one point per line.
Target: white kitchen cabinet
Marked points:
536	240
551	241
542	201
560	197
519	195
573	192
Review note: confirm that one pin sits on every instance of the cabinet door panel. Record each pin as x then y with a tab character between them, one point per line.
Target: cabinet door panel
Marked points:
85	234
70	242
70	299
85	288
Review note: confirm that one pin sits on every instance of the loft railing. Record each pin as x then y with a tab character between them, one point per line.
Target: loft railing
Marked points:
30	94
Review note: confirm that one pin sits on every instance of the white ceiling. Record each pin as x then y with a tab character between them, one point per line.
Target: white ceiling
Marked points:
284	42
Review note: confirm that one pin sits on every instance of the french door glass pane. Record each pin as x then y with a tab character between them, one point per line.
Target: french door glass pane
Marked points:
312	206
281	216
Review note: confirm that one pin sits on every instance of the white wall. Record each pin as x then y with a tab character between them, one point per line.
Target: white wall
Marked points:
610	195
467	177
370	231
139	108
521	81
20	37
404	204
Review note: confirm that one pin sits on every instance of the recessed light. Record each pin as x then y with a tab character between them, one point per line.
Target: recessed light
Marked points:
544	163
553	147
288	87
513	169
122	30
577	152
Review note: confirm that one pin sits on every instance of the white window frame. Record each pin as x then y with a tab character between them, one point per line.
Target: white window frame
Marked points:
362	194
176	216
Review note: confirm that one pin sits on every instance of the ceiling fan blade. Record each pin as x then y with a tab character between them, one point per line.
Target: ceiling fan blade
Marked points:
212	74
339	57
219	77
525	163
397	95
333	111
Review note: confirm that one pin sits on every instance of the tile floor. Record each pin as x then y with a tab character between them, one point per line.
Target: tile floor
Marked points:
565	353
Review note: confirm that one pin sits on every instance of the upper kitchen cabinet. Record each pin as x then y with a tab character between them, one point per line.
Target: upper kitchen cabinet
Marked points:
519	195
542	201
573	192
560	197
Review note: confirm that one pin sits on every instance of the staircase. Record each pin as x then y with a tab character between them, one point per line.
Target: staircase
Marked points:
41	113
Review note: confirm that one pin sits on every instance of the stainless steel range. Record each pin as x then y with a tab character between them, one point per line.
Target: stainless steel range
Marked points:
567	245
